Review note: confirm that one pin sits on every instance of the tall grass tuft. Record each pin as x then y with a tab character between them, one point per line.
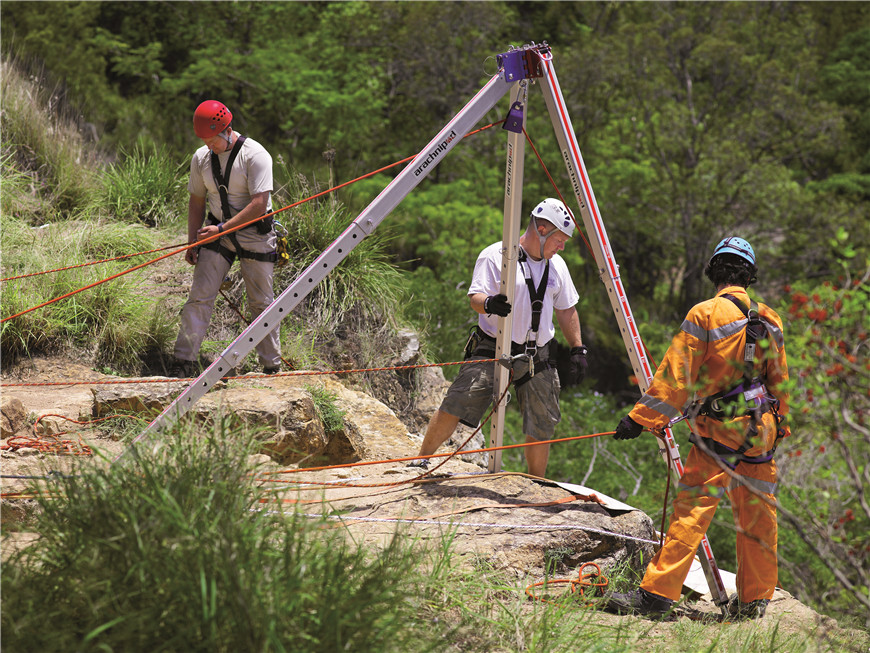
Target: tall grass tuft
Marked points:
146	186
42	144
118	322
172	550
365	281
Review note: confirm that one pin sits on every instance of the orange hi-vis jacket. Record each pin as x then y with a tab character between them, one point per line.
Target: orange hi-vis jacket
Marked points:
705	358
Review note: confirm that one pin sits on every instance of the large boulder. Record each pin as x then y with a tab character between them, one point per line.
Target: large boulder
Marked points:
281	411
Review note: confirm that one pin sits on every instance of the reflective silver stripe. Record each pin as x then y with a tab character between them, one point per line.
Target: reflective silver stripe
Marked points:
694	330
713	334
727	330
659	406
775	333
765	487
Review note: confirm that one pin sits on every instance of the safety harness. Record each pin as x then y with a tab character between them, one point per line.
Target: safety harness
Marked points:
751	389
481	343
263	226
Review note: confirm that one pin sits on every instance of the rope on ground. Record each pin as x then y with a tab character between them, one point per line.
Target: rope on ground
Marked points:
51	442
594	580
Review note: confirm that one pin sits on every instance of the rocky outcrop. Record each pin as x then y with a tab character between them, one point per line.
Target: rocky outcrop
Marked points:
507	521
280	410
13	416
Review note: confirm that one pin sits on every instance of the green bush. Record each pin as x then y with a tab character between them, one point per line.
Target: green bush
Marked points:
824	519
173	549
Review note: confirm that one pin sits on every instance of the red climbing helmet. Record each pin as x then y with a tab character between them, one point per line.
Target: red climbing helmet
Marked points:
211	118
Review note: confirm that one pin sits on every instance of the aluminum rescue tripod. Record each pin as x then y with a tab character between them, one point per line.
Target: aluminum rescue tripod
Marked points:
518	68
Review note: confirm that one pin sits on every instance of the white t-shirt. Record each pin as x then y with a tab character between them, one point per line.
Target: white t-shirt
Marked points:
560	294
252	174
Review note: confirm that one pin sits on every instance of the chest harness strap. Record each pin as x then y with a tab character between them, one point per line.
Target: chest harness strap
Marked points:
263	227
536	299
482	344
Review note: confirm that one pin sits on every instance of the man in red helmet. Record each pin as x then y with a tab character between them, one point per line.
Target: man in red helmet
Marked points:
230	185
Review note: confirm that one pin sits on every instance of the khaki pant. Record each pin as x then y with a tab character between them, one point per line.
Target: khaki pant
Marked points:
211	270
470	395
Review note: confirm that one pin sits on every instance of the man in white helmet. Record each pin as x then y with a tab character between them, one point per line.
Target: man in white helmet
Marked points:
543	288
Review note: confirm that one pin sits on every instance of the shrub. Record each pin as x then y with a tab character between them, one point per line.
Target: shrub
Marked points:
171	549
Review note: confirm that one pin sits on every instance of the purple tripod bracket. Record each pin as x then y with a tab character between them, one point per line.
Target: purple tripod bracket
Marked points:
522	63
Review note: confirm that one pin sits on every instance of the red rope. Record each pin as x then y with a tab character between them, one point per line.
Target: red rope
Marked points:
205	241
559	193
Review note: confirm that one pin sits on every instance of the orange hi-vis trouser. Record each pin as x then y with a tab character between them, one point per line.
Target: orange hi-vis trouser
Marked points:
751	488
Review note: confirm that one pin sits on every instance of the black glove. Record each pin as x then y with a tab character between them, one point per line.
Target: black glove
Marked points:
628	429
497	305
576	366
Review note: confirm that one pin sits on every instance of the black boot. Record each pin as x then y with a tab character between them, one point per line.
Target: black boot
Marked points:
751	610
639	602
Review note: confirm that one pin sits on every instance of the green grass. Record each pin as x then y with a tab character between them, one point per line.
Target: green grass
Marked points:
41	143
172	550
328	411
117	322
365	282
146	186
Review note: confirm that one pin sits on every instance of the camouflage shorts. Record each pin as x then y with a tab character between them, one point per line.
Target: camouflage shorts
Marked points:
471	394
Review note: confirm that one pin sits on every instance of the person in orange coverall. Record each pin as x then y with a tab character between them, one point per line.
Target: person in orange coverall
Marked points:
726	372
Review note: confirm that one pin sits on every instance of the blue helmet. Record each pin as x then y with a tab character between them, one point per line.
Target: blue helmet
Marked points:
735	245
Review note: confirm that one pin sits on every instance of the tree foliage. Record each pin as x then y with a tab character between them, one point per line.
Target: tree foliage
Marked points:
825	465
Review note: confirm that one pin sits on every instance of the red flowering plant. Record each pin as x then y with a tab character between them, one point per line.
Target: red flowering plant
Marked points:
824	466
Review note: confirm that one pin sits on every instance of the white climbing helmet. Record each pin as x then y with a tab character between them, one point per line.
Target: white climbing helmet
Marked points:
555	212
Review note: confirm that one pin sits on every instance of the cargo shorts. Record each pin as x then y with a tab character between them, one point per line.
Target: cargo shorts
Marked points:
471	394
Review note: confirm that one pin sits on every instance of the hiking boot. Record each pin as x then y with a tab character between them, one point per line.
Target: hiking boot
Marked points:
182	369
422	463
639	602
751	610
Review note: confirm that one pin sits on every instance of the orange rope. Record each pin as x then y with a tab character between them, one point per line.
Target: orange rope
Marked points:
51	442
583	581
458	452
225	232
84	265
443	462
